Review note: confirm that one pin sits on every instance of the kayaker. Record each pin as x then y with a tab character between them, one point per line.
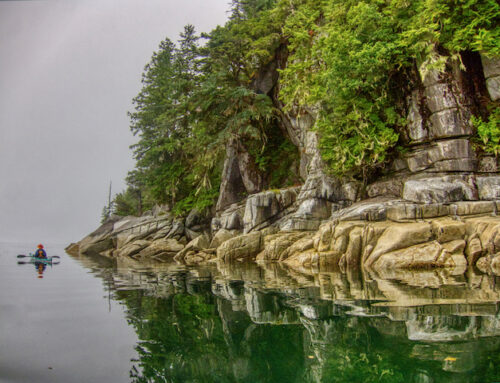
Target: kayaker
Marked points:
40	252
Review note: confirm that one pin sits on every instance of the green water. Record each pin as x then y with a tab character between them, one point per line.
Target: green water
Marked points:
245	323
92	320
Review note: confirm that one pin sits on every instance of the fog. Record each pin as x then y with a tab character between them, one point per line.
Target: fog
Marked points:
68	72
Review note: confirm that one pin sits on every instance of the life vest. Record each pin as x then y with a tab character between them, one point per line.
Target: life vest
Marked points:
40	253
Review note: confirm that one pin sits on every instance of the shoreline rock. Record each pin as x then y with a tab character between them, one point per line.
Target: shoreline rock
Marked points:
434	205
378	234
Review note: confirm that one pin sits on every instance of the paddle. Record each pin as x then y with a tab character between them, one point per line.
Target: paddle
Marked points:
30	263
28	256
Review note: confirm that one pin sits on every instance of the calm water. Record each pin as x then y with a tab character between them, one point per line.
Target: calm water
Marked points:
88	320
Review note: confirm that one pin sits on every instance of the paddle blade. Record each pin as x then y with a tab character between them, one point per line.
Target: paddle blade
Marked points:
23	263
21	256
55	256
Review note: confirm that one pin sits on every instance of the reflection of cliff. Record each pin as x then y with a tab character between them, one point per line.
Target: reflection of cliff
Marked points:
249	323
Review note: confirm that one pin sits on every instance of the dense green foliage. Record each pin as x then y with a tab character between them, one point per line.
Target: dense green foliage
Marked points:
489	132
194	101
352	58
351	63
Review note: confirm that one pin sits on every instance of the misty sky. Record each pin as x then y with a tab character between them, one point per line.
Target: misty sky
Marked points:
68	72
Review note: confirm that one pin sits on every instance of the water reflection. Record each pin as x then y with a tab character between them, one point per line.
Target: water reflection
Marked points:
266	323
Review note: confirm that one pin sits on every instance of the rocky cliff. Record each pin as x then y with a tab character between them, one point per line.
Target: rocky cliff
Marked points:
435	205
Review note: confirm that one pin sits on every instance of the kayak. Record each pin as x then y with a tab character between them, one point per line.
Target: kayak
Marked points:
48	260
32	259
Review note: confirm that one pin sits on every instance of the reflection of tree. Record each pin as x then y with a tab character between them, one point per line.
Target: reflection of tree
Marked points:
194	336
181	338
359	354
209	329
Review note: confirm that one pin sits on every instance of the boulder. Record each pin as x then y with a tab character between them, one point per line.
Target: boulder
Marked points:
320	186
400	237
232	221
191	234
293	223
306	259
96	245
73	249
276	246
456	148
491	66
222	236
487	229
489	264
100	240
170	229
199	243
245	246
161	248
402	212
425	255
419	159
468	164
304	244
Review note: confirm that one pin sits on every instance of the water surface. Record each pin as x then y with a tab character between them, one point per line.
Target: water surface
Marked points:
62	327
93	320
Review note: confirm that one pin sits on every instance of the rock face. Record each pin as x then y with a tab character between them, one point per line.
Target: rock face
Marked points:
264	208
441	242
491	68
434	206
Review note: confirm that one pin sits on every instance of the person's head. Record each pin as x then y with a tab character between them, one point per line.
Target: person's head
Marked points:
40	246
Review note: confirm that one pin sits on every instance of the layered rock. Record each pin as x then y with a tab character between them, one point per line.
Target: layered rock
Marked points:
433	206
